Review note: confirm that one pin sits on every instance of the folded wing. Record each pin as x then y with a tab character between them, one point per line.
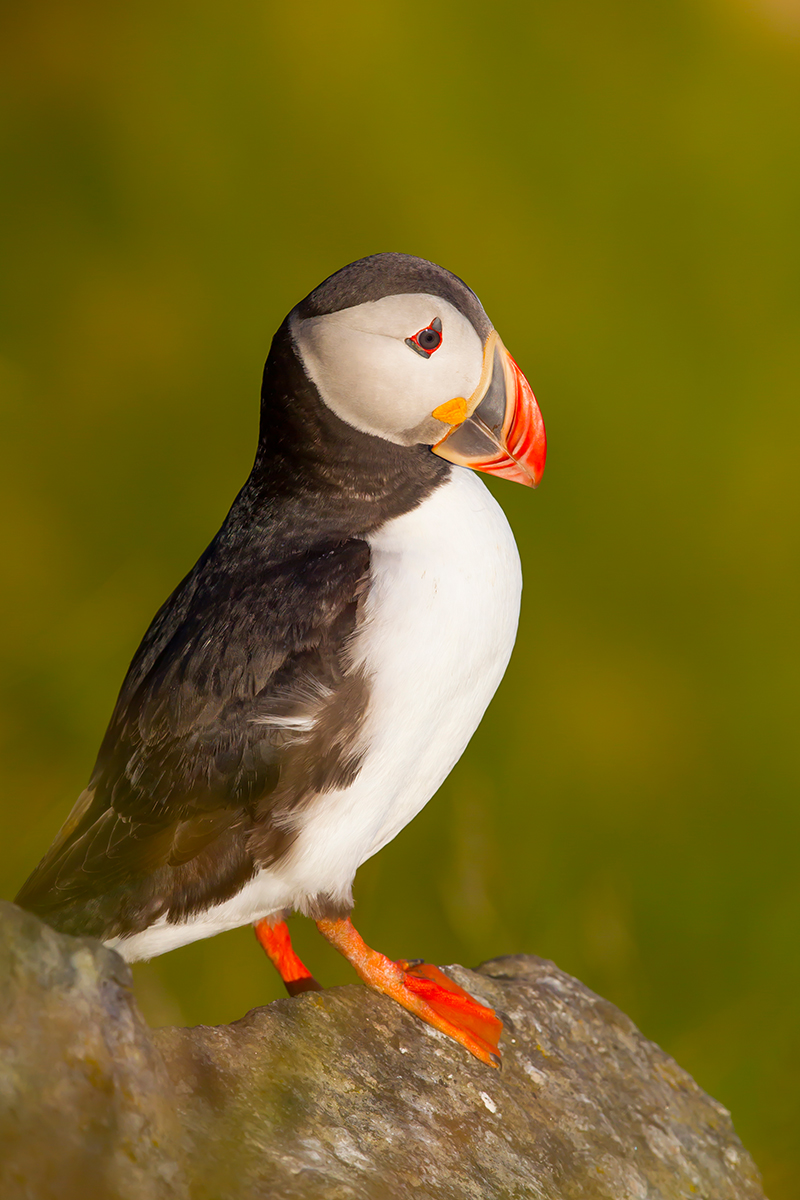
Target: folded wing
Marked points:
240	707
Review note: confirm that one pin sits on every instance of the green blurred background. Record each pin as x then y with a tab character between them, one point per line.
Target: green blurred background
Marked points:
620	183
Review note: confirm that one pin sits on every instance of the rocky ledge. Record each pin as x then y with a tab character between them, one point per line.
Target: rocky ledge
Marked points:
339	1095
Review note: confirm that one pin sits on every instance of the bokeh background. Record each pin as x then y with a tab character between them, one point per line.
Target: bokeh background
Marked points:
620	183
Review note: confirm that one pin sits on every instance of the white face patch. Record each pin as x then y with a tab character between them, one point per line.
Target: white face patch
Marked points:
368	376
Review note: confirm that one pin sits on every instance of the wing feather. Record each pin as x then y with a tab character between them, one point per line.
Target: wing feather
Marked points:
239	706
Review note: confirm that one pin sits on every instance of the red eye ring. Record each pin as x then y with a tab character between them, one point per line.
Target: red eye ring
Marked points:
427	340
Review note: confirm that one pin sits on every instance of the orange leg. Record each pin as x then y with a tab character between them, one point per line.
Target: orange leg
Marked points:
423	989
278	945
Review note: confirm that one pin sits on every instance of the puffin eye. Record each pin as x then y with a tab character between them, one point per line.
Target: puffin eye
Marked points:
428	339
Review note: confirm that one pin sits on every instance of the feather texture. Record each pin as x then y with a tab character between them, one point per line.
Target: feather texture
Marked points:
240	705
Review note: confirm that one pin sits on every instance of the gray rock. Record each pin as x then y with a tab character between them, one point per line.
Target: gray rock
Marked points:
340	1095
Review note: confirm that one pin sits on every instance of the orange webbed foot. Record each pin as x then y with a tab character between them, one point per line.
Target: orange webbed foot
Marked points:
422	989
454	1004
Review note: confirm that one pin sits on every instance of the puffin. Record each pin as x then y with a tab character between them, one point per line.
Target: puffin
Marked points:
311	682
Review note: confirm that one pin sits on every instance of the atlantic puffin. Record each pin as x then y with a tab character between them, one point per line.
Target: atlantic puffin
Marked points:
308	686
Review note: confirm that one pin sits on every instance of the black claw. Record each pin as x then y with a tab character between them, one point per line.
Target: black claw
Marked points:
295	987
496	1059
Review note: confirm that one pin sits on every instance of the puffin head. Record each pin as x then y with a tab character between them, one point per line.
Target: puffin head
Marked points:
402	350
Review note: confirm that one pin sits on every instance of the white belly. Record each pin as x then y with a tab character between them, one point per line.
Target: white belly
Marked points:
442	616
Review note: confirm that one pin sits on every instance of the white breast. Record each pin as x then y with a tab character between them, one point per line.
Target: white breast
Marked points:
442	616
441	620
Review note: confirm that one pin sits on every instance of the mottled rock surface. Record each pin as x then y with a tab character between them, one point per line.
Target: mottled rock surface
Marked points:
339	1095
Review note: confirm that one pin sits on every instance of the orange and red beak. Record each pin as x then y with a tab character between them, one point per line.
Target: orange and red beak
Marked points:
500	429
